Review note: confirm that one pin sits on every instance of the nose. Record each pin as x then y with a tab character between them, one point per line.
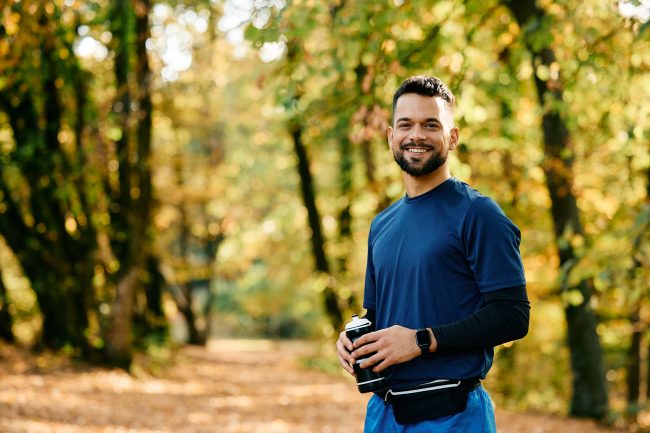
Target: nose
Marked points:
417	133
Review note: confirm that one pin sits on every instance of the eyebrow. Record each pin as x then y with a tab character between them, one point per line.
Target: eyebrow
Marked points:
428	119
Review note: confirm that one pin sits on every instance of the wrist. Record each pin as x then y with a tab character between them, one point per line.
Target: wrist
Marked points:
434	343
425	341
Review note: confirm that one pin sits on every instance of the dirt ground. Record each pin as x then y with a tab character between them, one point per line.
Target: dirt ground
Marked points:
229	387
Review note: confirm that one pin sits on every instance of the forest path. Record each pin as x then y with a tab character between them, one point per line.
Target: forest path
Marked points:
233	386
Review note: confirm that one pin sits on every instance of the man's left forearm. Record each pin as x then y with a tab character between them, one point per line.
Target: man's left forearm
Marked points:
503	318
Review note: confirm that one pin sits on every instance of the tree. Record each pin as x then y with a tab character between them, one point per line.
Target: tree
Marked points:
75	211
47	220
589	389
295	29
308	193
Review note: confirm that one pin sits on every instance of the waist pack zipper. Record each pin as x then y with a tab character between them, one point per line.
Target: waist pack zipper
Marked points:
429	386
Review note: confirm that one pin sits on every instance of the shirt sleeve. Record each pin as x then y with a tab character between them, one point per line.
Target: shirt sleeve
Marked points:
503	318
492	247
371	315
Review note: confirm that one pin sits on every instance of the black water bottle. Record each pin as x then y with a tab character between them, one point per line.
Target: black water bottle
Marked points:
367	380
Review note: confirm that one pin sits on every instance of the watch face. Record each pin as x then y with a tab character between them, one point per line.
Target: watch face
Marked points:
423	338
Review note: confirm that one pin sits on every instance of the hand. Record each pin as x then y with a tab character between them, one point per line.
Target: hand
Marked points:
343	349
393	345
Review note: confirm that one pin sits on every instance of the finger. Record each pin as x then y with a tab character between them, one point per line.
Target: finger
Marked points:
343	353
347	343
365	340
368	338
364	350
345	359
346	366
379	368
371	361
349	359
339	345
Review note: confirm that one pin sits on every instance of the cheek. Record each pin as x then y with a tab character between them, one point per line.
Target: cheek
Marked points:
398	138
392	141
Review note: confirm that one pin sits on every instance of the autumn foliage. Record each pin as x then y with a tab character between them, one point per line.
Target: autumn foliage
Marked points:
179	171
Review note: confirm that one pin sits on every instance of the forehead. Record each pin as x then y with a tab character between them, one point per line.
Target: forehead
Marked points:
414	106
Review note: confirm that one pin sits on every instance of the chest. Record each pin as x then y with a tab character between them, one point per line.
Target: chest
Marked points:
418	240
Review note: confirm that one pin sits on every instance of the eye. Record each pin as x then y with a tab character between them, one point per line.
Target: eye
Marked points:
403	125
432	125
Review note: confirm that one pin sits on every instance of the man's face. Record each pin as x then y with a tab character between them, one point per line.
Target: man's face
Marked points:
422	133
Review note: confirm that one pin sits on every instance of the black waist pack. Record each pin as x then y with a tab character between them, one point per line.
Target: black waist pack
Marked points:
430	400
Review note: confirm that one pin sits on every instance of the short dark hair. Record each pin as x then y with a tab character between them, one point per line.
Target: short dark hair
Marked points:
426	86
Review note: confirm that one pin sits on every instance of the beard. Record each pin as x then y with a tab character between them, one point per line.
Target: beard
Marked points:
415	166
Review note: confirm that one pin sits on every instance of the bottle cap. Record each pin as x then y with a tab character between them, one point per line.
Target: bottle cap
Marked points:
357	323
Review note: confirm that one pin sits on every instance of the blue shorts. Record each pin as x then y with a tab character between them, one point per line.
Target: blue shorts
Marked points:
478	417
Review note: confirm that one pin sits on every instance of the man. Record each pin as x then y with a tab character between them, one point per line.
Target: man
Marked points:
444	281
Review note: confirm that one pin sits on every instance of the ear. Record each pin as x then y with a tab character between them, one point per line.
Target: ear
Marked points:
389	136
453	138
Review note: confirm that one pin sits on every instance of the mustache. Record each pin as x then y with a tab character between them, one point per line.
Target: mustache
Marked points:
414	144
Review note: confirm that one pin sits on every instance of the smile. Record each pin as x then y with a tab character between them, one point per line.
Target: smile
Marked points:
416	150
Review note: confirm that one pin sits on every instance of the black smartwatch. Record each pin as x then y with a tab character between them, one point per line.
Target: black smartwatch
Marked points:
423	339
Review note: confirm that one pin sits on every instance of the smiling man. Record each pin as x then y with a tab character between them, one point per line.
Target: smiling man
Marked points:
444	281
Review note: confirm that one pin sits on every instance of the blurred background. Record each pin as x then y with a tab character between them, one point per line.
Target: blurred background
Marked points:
177	171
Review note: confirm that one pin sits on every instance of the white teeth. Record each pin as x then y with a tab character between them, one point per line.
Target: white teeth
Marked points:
417	150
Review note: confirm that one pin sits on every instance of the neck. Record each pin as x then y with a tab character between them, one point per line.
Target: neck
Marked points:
419	185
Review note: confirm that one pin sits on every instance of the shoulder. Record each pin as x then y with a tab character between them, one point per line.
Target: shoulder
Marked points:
482	210
467	201
483	205
386	215
475	201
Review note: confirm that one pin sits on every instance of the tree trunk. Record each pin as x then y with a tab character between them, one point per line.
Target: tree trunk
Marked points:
633	377
211	248
143	241
194	335
647	369
345	191
6	321
149	321
119	338
132	202
646	331
62	304
317	240
118	335
345	218
589	398
145	124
